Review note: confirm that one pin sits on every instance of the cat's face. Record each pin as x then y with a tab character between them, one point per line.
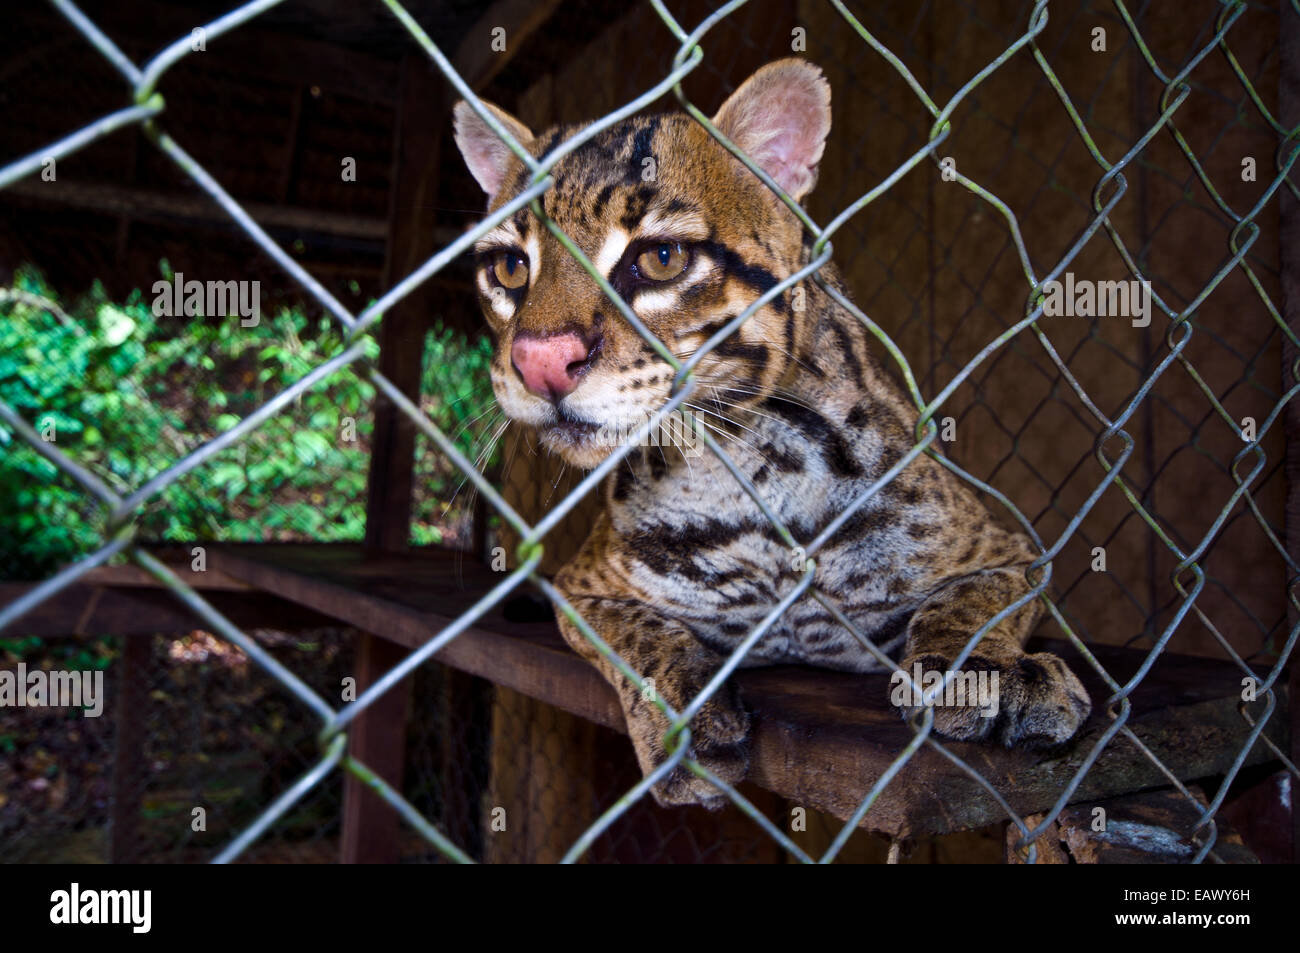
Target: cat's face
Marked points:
684	233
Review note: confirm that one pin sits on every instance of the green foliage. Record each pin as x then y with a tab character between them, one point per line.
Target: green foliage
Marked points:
126	395
456	396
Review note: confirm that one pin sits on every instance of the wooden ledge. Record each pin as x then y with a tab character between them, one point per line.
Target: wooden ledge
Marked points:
821	739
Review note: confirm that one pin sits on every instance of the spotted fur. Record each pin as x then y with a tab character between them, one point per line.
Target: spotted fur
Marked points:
681	563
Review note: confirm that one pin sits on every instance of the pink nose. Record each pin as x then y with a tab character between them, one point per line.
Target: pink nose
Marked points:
551	366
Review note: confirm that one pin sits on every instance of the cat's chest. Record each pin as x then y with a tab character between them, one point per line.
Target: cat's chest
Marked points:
691	518
703	547
684	489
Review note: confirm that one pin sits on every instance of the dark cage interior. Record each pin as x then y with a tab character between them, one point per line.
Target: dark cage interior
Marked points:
1103	142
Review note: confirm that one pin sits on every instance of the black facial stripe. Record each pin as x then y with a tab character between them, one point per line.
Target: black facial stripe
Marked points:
641	149
692	293
835	449
753	276
756	354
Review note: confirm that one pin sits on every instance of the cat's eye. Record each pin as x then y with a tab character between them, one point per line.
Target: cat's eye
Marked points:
662	261
510	269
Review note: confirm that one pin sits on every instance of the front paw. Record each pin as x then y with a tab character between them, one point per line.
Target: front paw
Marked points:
1031	701
719	742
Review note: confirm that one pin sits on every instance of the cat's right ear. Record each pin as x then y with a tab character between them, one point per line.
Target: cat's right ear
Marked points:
487	156
780	117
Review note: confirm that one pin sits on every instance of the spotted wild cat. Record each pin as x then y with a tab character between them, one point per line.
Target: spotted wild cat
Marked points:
681	563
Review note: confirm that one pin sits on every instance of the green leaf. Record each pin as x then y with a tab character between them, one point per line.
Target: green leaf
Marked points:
115	325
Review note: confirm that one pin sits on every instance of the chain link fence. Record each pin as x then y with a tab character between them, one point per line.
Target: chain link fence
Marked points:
308	795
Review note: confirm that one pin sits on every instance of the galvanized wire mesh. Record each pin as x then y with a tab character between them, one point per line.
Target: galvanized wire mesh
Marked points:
214	731
146	109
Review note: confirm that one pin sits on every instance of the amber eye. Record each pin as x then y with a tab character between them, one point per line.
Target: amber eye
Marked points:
662	261
510	270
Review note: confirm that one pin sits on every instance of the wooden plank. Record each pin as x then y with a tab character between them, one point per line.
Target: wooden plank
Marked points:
409	598
135	576
821	738
1150	827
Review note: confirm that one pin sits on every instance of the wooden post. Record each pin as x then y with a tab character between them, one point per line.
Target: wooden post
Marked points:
131	700
378	735
378	739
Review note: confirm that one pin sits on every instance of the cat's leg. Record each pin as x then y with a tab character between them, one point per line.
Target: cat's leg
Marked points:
665	654
1037	701
664	650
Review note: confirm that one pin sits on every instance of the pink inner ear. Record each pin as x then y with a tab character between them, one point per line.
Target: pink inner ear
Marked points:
785	159
784	127
487	158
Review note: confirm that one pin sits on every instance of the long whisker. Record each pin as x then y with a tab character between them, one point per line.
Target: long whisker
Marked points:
729	421
729	438
564	468
492	406
478	462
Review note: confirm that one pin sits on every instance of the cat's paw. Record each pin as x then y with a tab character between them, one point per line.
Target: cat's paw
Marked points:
719	742
1031	701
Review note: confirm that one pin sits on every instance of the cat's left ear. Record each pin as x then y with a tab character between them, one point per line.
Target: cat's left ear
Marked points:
781	116
486	155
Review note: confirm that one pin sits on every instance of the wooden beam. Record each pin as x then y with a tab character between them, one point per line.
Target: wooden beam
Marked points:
253	49
137	609
821	739
292	150
153	205
135	576
476	60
